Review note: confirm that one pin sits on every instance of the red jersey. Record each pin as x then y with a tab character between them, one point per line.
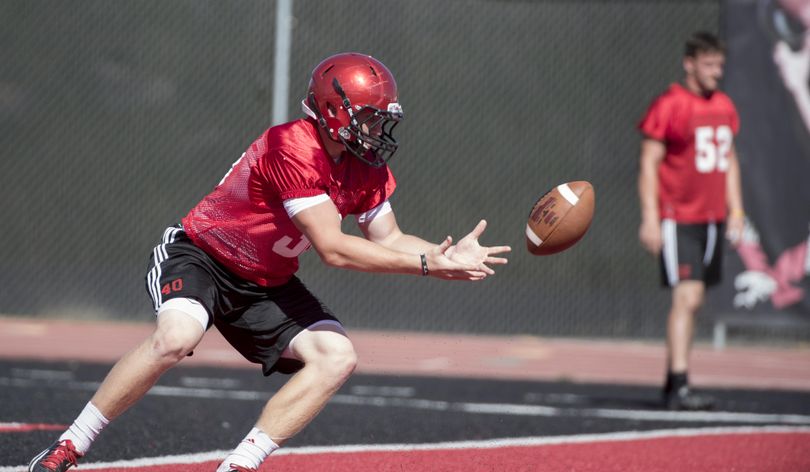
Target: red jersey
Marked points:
698	132
242	223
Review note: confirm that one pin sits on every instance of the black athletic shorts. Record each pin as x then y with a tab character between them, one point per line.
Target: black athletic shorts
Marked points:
691	252
257	321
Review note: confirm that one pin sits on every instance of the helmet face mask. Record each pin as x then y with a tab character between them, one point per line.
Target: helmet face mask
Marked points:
369	135
354	99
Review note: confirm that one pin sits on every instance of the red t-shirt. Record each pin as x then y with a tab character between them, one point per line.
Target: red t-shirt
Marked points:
242	223
698	132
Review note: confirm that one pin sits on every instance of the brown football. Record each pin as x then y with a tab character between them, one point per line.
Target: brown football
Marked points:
560	218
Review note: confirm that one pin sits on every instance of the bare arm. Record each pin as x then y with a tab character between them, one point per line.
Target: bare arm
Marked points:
652	153
321	225
736	215
385	231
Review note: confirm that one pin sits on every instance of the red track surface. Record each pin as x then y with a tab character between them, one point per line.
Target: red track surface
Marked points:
773	452
748	453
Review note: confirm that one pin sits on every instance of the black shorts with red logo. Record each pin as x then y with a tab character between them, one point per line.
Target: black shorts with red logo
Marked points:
257	321
691	252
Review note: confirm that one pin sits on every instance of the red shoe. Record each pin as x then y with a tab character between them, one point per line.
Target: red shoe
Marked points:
61	456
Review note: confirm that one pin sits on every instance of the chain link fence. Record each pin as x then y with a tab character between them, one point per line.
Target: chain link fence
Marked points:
117	117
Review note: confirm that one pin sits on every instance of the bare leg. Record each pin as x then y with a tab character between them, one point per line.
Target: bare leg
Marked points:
329	359
687	297
137	371
176	334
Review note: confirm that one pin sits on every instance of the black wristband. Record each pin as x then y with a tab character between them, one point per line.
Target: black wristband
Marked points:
424	264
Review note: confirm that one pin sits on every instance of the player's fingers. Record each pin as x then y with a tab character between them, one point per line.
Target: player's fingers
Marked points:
496	260
498	250
464	275
651	245
734	236
473	274
479	229
448	241
486	270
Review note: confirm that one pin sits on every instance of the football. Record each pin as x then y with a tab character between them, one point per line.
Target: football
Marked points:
560	218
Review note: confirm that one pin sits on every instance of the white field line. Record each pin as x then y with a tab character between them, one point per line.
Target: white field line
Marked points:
466	407
455	445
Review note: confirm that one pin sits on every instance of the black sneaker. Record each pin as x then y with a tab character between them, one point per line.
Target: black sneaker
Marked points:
61	456
686	400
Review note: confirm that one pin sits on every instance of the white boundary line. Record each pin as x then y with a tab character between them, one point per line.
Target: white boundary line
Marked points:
454	445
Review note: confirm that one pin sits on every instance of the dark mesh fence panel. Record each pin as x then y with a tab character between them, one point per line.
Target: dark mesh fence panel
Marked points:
116	117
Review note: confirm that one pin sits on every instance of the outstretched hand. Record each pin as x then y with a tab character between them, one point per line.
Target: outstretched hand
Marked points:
470	250
467	260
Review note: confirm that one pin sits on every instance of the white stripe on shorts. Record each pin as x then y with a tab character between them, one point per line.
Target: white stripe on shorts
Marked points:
711	243
669	238
159	255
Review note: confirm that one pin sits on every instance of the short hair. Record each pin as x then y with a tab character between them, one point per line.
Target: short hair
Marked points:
703	42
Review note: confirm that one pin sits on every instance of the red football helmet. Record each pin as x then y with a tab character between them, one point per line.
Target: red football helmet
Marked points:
354	99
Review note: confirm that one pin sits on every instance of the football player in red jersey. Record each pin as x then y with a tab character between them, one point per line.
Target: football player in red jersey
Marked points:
689	186
232	261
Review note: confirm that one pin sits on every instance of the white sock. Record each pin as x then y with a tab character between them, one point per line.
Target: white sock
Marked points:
251	452
84	430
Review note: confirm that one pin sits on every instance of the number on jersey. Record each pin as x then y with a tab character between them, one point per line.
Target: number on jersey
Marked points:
712	148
